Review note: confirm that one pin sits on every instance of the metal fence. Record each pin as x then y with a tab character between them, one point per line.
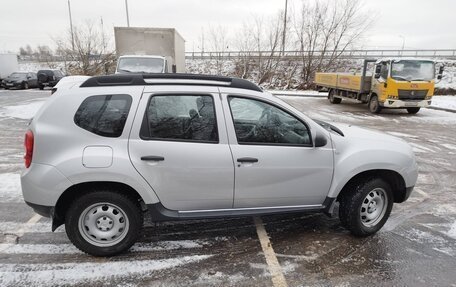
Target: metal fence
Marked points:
346	54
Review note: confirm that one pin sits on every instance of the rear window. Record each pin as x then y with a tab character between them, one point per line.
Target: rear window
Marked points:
104	115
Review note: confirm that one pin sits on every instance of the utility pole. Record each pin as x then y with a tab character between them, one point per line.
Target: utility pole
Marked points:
403	44
71	25
284	27
126	9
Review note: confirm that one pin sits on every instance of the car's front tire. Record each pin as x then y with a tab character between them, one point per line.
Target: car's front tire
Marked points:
365	206
104	223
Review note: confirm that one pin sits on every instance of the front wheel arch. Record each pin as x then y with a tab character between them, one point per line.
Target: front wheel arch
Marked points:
393	178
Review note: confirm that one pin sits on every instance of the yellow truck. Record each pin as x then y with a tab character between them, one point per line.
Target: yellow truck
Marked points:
396	83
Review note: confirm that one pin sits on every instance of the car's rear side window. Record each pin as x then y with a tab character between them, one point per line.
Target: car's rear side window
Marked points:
104	115
188	118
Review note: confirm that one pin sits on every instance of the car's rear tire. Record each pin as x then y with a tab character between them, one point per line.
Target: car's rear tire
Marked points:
25	85
332	99
413	110
374	105
365	206
41	87
104	223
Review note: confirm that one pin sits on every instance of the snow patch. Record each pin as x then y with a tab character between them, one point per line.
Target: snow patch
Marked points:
10	188
446	102
396	134
72	273
449	146
452	231
70	249
25	111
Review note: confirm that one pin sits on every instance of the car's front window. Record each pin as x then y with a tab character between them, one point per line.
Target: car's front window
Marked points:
412	70
257	122
141	65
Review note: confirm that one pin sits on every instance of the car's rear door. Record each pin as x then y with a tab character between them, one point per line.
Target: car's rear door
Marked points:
276	163
179	144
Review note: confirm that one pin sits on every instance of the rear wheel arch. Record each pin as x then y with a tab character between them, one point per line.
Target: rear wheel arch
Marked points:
77	190
393	178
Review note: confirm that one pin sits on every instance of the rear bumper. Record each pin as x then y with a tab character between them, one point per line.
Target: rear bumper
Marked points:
392	103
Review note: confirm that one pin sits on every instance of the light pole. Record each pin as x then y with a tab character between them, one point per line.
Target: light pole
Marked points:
126	9
403	43
71	25
284	27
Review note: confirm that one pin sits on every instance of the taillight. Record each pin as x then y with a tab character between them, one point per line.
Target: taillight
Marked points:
28	144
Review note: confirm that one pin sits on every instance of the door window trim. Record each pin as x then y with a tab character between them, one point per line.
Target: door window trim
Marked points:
278	107
144	126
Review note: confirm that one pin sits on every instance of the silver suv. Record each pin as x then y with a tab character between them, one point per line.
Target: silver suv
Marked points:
101	153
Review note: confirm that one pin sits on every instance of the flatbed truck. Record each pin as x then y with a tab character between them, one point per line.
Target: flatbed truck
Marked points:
403	83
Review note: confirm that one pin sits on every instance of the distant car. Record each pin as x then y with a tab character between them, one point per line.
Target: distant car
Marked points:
21	80
49	78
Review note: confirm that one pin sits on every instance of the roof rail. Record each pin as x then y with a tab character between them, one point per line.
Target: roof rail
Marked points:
167	79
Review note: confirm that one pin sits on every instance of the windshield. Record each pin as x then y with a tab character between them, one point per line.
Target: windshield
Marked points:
410	70
141	65
18	75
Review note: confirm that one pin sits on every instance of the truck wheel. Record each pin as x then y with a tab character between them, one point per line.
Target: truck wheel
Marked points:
413	110
41	87
365	206
104	223
332	99
374	105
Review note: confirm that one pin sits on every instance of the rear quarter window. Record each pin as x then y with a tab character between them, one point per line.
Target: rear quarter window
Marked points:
103	115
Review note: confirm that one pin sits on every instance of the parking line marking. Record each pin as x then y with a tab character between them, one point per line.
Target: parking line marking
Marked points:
278	279
21	231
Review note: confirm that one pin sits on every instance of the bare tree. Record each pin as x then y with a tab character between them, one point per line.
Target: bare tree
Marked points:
92	54
218	40
324	30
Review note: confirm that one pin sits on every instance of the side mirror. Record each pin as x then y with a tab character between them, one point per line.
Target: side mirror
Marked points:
320	140
440	75
28	77
378	71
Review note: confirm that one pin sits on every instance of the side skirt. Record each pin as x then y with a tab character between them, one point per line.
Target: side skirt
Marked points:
160	213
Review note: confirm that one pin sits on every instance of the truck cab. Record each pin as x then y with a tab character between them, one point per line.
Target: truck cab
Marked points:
143	64
402	83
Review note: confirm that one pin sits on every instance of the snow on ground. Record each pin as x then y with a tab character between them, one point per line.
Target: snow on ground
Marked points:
25	111
72	273
70	249
10	188
447	102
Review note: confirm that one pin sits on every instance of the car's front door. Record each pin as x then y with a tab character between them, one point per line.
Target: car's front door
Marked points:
276	163
179	145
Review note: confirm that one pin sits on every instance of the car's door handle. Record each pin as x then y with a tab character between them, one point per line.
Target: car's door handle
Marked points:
152	158
247	159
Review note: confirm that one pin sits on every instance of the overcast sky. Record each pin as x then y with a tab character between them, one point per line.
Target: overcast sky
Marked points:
421	23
